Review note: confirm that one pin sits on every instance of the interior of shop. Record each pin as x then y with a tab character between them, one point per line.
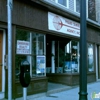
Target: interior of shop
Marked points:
62	55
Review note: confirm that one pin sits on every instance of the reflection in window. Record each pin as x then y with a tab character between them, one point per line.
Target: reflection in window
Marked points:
78	6
71	5
90	57
63	2
92	10
72	57
29	45
38	44
67	56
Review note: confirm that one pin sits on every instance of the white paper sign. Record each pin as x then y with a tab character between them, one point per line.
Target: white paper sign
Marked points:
23	47
64	25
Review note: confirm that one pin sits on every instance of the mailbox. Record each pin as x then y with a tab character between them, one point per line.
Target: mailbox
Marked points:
24	73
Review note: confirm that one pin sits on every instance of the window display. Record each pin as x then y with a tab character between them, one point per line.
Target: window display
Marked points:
66	57
72	57
29	46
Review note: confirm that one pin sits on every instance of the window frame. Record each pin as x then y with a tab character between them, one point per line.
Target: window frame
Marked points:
31	55
67	4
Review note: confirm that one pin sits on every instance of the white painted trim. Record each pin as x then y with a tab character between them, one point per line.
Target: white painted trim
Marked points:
74	5
68	4
86	8
56	1
31	53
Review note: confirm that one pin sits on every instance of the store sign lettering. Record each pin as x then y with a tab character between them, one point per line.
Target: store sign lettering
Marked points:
64	25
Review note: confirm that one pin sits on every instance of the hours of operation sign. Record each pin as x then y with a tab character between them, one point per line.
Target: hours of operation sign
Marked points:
23	47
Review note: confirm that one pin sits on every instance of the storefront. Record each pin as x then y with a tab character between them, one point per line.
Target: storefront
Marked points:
64	57
48	38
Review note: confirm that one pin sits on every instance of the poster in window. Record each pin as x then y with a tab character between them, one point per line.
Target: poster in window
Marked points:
40	64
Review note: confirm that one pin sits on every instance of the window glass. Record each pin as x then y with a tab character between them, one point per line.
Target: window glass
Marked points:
71	57
63	2
90	57
71	5
78	6
22	42
67	56
91	10
38	44
30	47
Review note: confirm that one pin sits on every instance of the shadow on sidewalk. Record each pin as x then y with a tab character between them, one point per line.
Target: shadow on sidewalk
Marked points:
56	87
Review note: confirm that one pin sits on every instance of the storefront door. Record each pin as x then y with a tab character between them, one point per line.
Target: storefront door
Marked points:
2	69
1	38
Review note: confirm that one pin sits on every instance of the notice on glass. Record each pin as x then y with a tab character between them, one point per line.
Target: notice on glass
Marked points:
23	47
40	64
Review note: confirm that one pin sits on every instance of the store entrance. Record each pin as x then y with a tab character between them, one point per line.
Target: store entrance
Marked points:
1	44
62	60
2	69
61	55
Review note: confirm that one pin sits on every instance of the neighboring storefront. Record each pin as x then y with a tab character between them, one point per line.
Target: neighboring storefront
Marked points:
48	38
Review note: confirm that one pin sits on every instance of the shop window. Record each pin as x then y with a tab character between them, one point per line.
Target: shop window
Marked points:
71	57
67	56
90	57
63	2
73	5
92	10
78	6
30	47
92	7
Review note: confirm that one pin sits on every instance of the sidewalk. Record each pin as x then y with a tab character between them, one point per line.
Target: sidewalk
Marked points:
63	92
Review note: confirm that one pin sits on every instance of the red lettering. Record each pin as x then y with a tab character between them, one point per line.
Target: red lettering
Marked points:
71	31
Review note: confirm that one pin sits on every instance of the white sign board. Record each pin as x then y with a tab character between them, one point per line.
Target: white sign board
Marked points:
63	25
23	47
